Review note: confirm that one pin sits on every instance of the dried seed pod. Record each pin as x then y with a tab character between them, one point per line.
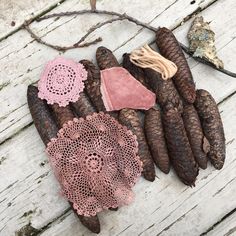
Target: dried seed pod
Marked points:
92	85
167	95
212	127
83	106
179	148
195	135
40	113
47	130
129	118
170	48
134	70
156	139
105	58
62	114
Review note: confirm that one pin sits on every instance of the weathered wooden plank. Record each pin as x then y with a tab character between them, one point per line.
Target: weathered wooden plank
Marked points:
165	200
227	227
165	207
14	13
22	63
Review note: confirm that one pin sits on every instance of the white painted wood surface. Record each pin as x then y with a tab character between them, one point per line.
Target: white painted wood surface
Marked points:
165	207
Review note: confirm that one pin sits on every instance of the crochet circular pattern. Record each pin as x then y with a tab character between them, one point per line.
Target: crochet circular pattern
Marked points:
62	81
95	161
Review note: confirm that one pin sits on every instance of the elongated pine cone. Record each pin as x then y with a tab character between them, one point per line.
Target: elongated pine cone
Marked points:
92	85
199	144
83	106
179	148
129	118
62	114
47	130
170	48
167	95
156	139
212	127
41	115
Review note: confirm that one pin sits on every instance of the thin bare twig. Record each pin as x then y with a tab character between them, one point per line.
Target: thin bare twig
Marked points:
111	13
120	17
56	47
204	61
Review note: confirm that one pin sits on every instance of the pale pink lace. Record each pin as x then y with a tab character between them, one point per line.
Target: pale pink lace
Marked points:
95	161
62	81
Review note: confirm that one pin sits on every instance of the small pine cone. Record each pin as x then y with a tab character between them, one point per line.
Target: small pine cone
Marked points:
105	58
129	118
41	115
83	106
156	139
170	48
212	127
199	144
179	148
62	114
167	95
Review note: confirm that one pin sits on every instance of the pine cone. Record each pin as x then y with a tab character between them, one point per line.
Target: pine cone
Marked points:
156	139
83	106
199	144
170	48
41	115
212	127
129	118
105	58
179	148
167	95
62	114
134	70
92	85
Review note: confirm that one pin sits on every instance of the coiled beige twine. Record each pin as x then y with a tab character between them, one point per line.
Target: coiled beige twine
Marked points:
145	57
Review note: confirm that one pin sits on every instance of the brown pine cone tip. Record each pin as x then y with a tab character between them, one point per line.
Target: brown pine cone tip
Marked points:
195	135
105	58
167	95
129	118
156	139
170	48
179	148
212	127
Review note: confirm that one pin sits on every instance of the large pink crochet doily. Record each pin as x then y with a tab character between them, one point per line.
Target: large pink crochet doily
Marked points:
62	81
95	161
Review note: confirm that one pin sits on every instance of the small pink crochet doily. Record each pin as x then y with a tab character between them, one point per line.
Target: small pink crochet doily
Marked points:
61	81
95	161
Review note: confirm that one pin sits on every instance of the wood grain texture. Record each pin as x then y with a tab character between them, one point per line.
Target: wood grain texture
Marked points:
30	192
